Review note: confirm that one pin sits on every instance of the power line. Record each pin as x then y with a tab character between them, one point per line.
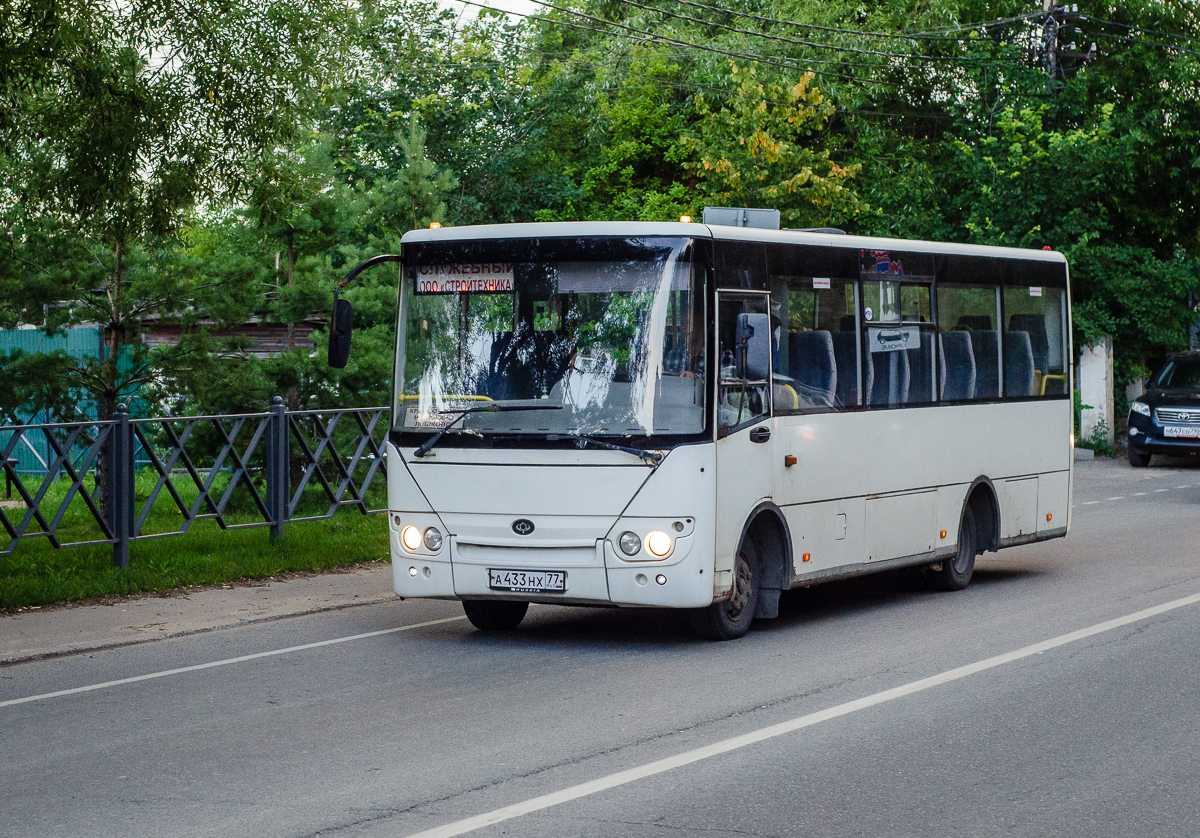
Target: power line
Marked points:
812	44
650	37
918	36
1127	26
1141	42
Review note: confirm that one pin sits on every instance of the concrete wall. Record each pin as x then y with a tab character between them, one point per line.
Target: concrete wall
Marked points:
1096	388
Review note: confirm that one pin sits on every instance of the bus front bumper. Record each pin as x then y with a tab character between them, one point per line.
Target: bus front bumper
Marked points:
593	575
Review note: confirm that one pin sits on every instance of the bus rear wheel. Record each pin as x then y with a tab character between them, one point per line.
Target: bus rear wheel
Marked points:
955	573
730	619
495	615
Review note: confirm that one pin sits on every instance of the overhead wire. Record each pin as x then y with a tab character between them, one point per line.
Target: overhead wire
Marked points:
796	41
927	35
1128	26
1140	42
650	37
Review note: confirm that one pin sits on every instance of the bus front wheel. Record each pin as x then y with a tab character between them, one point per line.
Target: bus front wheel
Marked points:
495	615
730	619
955	572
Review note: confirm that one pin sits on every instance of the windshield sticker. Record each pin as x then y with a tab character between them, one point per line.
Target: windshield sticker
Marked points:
1035	291
885	264
424	419
479	278
893	339
868	313
821	283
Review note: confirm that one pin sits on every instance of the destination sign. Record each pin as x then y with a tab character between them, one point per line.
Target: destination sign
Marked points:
476	278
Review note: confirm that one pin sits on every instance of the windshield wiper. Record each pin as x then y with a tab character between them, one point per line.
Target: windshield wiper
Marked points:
424	447
655	457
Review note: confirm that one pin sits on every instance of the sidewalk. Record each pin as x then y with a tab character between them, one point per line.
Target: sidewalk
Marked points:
56	631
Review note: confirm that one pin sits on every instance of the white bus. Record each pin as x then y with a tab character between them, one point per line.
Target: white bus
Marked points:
699	416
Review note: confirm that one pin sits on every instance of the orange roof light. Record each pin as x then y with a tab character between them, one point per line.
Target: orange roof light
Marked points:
686	219
433	225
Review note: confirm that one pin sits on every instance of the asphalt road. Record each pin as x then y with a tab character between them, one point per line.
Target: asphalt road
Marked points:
867	709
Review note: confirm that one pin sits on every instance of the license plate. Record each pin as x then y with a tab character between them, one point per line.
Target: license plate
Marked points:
527	581
1182	431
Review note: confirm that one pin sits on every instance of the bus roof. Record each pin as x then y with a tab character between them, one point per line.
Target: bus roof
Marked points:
572	229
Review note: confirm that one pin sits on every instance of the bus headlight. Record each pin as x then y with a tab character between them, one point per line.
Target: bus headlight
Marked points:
658	543
410	536
433	539
630	543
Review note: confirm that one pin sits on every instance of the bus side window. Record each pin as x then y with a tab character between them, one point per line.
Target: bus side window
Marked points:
817	358
1034	340
969	342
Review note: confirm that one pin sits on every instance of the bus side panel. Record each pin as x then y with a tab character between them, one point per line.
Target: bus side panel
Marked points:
900	525
1053	500
830	534
1018	507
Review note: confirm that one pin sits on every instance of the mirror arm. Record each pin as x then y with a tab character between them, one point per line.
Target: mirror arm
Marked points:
370	263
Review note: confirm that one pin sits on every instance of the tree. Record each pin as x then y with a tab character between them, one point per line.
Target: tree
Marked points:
767	147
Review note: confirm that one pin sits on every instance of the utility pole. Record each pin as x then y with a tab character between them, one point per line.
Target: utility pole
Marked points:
1056	51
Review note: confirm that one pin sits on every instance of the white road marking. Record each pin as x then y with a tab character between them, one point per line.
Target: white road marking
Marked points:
641	772
1162	490
226	662
1139	494
1089	502
1118	497
1184	486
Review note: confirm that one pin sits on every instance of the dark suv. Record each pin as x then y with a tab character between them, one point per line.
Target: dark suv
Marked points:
1166	419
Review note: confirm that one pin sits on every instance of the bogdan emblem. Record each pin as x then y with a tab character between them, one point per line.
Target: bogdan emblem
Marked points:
522	526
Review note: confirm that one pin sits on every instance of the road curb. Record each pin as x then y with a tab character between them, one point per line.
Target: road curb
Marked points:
62	632
141	641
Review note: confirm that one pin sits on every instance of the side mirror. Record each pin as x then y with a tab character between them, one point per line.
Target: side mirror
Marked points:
339	333
753	337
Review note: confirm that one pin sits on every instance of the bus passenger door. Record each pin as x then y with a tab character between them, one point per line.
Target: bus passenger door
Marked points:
744	428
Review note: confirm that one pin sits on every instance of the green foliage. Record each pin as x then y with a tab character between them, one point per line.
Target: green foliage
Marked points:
234	183
767	147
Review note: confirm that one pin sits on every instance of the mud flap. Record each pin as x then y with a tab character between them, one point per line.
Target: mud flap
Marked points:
768	604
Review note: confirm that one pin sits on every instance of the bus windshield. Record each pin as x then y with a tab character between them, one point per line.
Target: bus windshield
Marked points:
607	334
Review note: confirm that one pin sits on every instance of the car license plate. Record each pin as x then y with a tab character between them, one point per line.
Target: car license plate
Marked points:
1182	431
527	581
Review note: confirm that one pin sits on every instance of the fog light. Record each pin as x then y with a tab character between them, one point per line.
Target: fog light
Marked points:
660	579
658	543
412	571
433	539
630	543
411	537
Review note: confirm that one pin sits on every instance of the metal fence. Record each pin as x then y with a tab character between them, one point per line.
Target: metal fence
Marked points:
125	480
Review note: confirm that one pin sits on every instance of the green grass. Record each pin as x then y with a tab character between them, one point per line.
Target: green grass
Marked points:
36	574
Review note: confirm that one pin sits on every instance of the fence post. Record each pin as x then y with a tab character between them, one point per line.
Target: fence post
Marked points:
278	461
122	496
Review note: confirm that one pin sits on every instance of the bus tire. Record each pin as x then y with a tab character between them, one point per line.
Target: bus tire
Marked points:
1138	459
731	618
495	615
955	573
